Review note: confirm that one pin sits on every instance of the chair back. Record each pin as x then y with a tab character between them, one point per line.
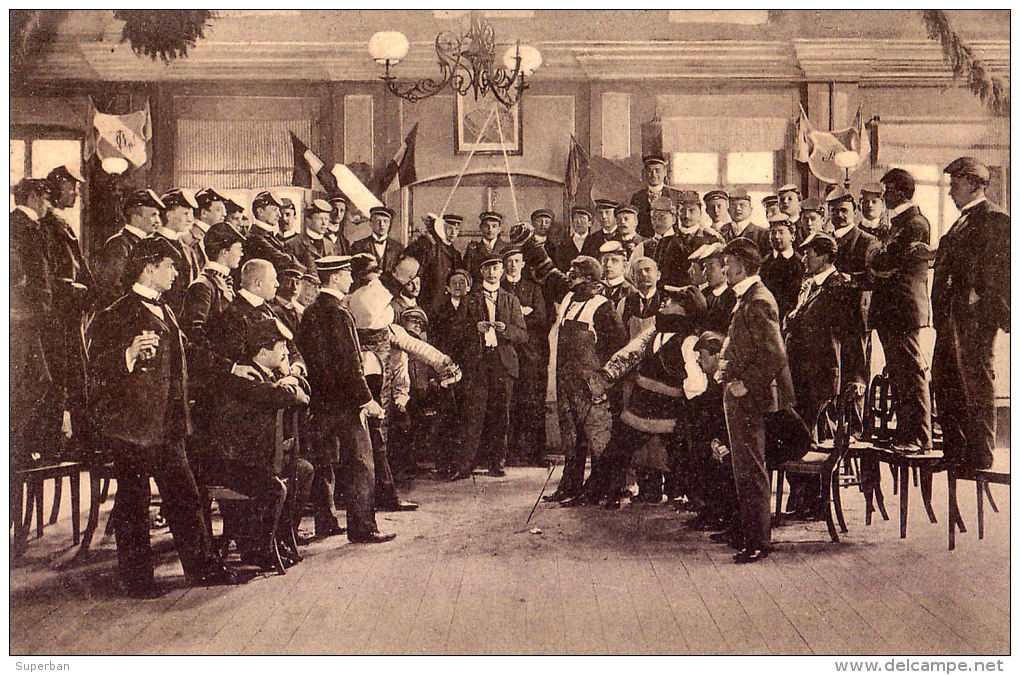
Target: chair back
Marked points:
880	409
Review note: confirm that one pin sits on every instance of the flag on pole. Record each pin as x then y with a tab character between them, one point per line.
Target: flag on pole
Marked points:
578	180
352	188
119	136
308	168
818	148
400	172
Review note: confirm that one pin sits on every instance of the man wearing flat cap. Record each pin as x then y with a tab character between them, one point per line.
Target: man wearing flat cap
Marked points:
856	248
970	302
754	358
435	252
178	212
740	209
664	247
626	229
579	241
813	218
606	211
782	270
874	217
771	205
237	218
692	235
490	225
289	227
717	207
141	215
615	286
719	297
337	223
265	241
386	250
284	304
899	309
655	188
74	292
213	290
730	230
789	201
312	243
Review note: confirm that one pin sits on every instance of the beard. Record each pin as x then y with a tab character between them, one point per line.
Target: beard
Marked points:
672	323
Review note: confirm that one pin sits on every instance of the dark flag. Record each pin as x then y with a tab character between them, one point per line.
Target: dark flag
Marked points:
307	166
400	172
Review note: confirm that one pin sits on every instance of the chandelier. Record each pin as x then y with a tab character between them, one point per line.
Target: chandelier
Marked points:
466	64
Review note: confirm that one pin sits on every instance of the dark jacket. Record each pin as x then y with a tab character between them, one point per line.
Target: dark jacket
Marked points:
755	352
391	253
307	250
782	276
900	299
639	200
175	296
437	260
854	254
264	245
529	294
565	251
475	252
329	343
206	298
146	406
756	233
66	263
110	265
973	257
719	310
31	296
469	344
227	331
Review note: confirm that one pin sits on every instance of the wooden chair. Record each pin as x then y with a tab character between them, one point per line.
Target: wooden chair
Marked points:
27	495
285	453
983	478
823	461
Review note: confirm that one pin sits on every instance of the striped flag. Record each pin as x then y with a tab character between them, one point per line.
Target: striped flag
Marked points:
119	136
308	167
400	172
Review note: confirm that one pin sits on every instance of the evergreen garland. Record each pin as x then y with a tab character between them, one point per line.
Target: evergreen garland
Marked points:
164	33
991	90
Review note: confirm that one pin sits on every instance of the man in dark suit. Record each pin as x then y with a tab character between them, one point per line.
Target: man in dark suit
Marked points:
139	373
783	270
284	302
340	405
626	229
178	211
212	209
37	403
527	407
970	300
435	252
615	286
312	244
640	307
663	247
489	329
74	290
579	241
719	297
853	258
213	290
490	224
141	212
265	241
692	235
899	309
740	212
605	211
655	188
790	199
754	358
337	222
385	250
731	230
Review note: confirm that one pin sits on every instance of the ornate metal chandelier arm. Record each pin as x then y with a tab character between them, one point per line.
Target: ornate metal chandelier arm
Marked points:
448	50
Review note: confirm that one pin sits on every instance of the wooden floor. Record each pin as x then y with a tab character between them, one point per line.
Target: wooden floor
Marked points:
466	575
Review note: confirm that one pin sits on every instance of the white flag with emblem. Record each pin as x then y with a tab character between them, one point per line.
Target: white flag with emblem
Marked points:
125	136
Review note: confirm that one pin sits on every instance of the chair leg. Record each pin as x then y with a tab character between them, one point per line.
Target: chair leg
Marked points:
75	508
991	500
277	560
105	492
916	474
780	477
19	506
980	509
58	488
951	479
837	503
95	500
39	495
826	485
895	479
904	499
926	494
880	501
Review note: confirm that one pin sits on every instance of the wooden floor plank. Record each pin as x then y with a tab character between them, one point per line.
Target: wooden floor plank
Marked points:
660	631
701	632
430	629
739	631
582	621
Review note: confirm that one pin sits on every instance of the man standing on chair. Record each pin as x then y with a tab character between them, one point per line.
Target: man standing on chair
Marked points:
754	358
970	299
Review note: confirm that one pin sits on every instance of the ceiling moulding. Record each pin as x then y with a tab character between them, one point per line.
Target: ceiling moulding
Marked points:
755	60
878	61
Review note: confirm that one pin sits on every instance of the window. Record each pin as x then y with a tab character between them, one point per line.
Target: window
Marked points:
703	171
35	157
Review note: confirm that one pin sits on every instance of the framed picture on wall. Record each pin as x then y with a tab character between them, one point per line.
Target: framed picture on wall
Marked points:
472	133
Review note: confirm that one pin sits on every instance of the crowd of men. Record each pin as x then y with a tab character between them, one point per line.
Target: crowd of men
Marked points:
687	349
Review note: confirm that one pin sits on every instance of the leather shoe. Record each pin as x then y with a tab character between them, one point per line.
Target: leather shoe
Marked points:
557	497
372	538
329	531
264	561
750	555
497	473
612	505
580	500
397	505
460	475
217	574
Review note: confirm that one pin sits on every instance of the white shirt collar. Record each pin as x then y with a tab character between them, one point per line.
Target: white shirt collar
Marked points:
615	282
741	287
819	278
738	228
272	229
786	254
729	221
578	240
201	224
145	292
490	288
490	243
169	234
669	233
29	212
328	291
656	189
648	296
900	209
843	231
720	289
513	280
216	267
455	302
378	242
974	203
141	234
313	235
255	300
693	229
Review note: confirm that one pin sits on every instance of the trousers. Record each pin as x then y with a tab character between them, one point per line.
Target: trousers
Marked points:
485	413
746	426
906	366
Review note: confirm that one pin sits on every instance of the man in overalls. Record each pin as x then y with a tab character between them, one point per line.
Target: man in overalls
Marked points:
586	332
